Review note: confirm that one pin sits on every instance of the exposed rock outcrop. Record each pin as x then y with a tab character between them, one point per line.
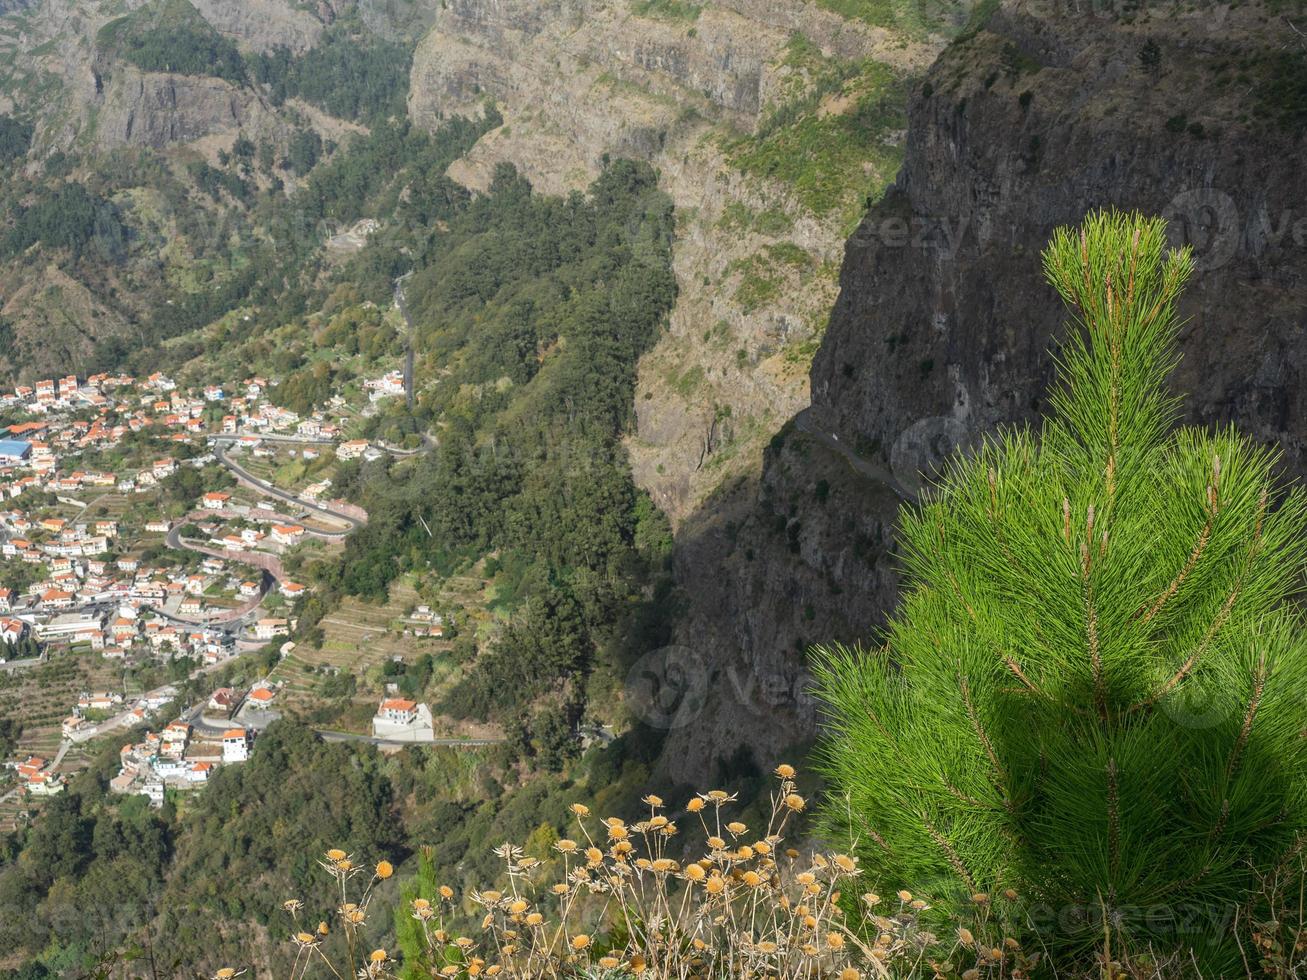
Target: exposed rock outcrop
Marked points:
262	25
157	110
579	80
944	324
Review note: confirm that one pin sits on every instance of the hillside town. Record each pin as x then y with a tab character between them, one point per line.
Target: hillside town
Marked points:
145	523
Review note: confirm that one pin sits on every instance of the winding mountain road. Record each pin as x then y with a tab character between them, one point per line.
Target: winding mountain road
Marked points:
248	479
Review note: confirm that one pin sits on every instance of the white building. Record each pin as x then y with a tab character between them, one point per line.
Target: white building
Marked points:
235	745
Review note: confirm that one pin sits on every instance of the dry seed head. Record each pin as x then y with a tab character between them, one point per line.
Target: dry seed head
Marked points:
794	802
653	800
580	942
580	809
784	771
695	805
384	869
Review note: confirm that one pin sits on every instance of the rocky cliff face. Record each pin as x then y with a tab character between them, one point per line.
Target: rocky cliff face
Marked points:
154	109
88	99
943	325
678	84
1025	127
261	25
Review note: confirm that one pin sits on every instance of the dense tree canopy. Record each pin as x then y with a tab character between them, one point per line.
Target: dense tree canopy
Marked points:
535	311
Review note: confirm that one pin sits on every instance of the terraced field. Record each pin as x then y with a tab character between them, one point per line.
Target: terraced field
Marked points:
43	697
359	637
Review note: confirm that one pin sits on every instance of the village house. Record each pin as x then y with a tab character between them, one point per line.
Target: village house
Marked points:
267	629
262	697
235	745
398	711
287	534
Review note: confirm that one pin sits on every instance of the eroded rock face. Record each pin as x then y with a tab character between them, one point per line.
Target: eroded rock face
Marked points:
944	310
156	110
262	25
943	325
578	80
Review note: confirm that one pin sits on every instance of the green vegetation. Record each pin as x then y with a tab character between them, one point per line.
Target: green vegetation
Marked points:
15	139
915	18
1281	97
1091	693
667	9
172	36
353	77
536	309
67	217
833	161
762	274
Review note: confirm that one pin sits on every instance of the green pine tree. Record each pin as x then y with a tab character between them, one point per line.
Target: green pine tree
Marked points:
1093	692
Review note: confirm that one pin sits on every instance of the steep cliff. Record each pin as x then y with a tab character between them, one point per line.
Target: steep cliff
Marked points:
710	94
943	326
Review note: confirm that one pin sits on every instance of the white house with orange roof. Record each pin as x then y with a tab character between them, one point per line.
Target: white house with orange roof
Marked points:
235	745
287	534
215	500
400	719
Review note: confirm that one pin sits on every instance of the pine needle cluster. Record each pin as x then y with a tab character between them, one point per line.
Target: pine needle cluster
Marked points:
1095	688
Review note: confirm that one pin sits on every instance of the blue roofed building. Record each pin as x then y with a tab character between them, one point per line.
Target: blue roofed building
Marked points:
14	450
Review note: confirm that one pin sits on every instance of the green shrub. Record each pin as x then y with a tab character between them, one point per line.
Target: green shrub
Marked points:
1092	691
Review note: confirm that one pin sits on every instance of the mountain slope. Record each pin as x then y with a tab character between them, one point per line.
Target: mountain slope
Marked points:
771	124
944	324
